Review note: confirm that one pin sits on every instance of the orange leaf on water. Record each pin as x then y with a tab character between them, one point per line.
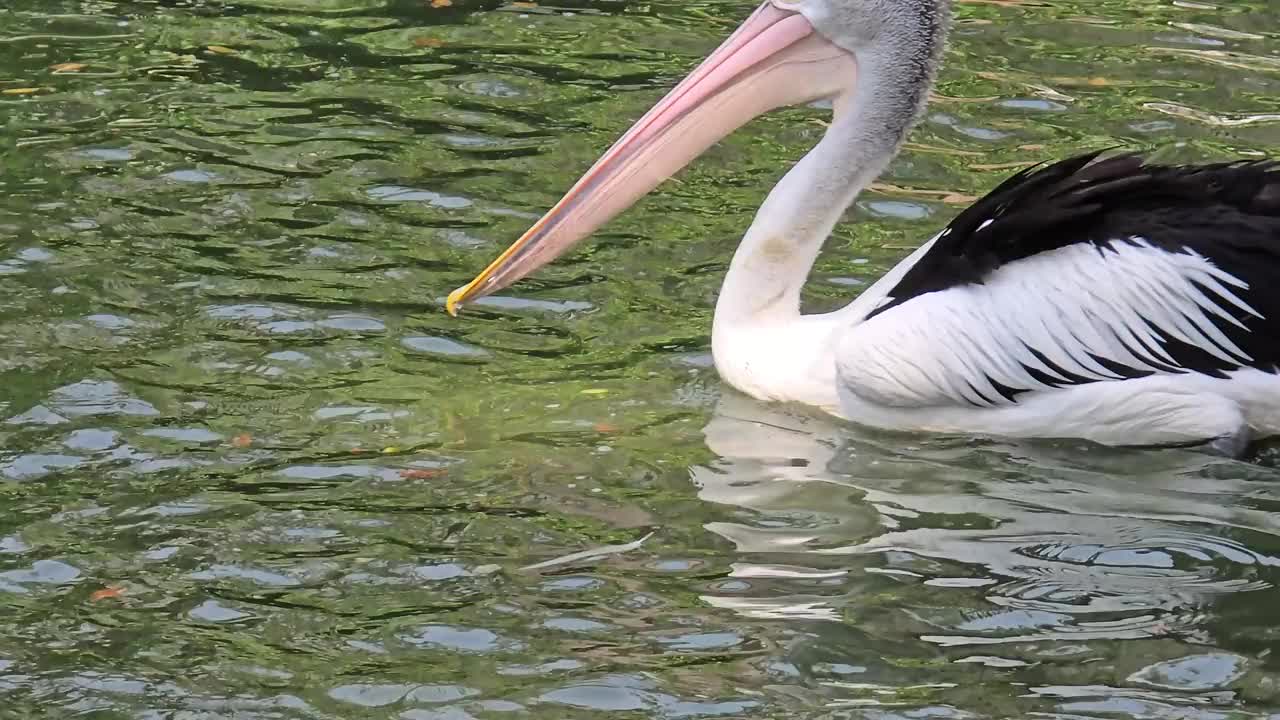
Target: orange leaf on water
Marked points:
68	67
421	473
604	427
243	440
19	91
428	42
106	593
441	3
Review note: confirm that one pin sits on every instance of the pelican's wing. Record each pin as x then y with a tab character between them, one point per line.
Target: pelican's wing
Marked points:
1082	272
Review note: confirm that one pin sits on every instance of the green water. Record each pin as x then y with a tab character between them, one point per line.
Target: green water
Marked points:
250	469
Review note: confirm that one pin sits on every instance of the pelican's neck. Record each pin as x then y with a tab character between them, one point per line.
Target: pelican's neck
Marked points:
758	339
775	256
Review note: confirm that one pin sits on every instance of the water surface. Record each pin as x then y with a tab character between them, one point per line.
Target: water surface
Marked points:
250	469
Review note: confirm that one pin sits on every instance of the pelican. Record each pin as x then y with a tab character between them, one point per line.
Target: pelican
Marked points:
1100	297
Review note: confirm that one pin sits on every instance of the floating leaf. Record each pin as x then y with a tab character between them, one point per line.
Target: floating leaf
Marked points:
68	67
106	593
441	3
428	42
243	440
19	91
221	50
421	473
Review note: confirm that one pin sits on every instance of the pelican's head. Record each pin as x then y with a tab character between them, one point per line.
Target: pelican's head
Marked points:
786	53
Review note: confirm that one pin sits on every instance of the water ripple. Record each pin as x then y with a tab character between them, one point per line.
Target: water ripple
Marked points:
251	469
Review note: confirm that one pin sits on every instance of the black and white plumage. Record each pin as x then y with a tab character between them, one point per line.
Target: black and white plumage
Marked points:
1145	269
1100	298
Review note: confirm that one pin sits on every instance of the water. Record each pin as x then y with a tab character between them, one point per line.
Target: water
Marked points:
252	470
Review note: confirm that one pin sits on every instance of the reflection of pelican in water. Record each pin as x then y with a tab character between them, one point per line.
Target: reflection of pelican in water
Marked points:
1104	299
1054	531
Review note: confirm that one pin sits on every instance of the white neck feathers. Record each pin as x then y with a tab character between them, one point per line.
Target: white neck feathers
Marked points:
760	342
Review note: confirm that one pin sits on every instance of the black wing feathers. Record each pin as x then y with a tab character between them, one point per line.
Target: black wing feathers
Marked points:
1231	208
1229	213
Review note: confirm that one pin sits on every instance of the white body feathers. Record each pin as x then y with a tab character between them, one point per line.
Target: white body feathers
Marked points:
933	362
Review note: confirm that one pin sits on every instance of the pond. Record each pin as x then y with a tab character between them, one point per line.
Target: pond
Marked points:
251	469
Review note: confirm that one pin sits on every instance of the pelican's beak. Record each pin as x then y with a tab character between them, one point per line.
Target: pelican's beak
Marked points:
774	59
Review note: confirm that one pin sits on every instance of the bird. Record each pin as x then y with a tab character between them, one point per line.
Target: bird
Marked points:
1103	297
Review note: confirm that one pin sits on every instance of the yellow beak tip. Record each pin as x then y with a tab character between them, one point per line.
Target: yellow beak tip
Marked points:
454	302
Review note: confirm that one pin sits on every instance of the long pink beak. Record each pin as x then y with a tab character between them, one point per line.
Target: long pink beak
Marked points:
774	59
